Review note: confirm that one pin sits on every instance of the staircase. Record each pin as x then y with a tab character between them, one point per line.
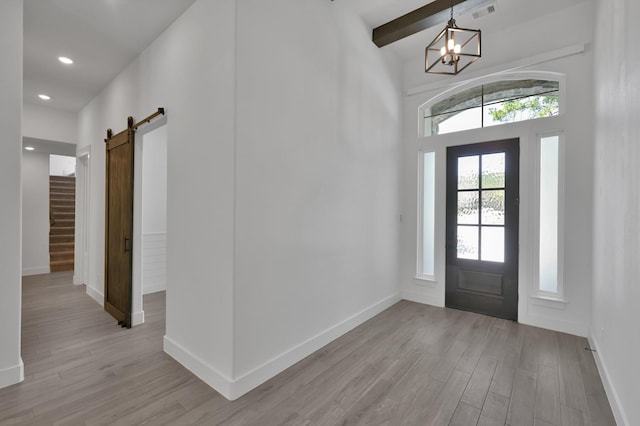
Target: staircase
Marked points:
62	201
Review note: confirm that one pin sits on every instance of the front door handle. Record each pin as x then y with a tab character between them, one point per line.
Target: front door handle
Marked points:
127	244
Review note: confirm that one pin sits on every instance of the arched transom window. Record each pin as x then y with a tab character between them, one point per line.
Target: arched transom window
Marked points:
491	104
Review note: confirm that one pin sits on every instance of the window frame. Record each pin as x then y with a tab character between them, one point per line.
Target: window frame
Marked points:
476	82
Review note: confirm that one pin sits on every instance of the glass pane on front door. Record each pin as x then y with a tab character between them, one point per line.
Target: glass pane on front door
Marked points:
468	242
493	170
492	244
468	207
493	207
468	170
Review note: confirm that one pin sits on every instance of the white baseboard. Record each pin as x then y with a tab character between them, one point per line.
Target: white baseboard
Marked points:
577	329
612	395
137	318
200	368
269	369
425	299
148	289
234	389
36	271
12	375
96	295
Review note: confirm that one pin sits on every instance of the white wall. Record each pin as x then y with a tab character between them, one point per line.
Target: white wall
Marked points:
62	165
189	70
11	367
311	175
154	182
574	316
318	151
35	213
615	330
154	211
43	122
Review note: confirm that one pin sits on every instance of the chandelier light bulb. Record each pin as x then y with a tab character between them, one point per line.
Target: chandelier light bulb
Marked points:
450	44
443	51
456	49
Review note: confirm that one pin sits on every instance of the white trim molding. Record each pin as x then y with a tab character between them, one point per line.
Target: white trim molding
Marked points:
424	298
234	388
12	375
554	324
612	395
199	367
96	295
35	271
137	318
269	369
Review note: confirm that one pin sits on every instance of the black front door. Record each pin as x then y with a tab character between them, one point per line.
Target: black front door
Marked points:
482	228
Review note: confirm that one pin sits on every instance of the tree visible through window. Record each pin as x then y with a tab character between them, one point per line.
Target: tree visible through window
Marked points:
491	104
525	109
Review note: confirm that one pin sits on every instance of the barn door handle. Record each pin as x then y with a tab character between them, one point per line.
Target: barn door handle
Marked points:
127	244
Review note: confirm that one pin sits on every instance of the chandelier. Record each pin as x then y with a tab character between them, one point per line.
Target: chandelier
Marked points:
453	49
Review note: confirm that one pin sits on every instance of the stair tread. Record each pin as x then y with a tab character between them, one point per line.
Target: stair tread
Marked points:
62	193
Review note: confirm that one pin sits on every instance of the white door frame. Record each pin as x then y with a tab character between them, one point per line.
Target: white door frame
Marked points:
83	216
137	312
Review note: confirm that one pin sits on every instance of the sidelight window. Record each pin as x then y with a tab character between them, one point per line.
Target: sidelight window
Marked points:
551	212
426	240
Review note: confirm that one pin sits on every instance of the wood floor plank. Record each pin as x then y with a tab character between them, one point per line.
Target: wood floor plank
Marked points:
407	399
449	361
521	407
495	409
572	391
597	402
574	417
412	364
478	387
441	409
478	342
548	396
502	382
465	415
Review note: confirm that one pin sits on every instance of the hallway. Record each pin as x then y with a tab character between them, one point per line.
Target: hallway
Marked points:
412	364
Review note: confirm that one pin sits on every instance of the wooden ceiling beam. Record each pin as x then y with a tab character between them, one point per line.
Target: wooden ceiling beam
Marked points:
430	15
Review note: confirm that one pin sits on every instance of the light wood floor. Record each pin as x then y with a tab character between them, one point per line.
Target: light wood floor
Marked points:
410	365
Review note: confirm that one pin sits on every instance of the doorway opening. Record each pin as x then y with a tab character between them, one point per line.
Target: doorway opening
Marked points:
62	212
149	274
482	223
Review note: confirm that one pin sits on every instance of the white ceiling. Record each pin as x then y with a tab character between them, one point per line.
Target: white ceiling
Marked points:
103	36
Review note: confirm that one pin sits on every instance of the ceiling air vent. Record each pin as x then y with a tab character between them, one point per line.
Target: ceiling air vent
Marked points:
484	11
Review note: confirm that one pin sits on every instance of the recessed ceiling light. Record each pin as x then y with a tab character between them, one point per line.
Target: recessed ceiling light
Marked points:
29	148
44	97
65	60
